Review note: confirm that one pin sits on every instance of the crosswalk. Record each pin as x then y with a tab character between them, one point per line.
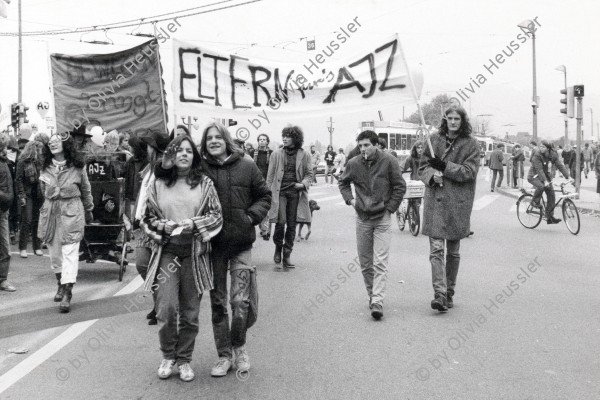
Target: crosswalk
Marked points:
329	196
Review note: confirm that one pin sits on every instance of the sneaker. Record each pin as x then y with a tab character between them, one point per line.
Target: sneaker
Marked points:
7	287
38	252
439	303
221	367
166	368
186	373
376	311
23	253
242	361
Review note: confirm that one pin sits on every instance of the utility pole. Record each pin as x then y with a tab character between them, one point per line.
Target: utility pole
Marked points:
330	129
20	58
578	91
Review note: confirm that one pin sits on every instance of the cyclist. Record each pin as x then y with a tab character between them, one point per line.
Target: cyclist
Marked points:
540	178
410	165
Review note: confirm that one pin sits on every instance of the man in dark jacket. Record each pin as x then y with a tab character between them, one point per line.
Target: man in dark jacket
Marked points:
496	160
6	200
379	188
245	200
261	156
540	178
449	175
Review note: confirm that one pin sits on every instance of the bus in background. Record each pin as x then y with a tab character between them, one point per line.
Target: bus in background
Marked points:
400	136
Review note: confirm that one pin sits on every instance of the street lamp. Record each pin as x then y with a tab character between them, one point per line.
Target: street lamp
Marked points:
564	70
592	122
529	25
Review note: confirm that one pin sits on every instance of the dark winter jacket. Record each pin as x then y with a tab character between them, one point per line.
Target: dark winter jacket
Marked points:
133	179
378	184
243	193
27	180
6	186
539	165
496	159
447	209
412	165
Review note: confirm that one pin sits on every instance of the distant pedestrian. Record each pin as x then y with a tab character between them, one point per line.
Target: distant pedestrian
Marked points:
450	175
597	171
315	158
588	157
329	163
29	195
261	156
379	189
67	207
518	159
496	160
339	163
289	179
6	200
411	165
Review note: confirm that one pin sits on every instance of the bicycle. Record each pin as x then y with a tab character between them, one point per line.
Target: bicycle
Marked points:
530	215
415	191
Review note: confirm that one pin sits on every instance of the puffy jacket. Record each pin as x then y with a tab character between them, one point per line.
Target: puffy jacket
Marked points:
6	186
243	193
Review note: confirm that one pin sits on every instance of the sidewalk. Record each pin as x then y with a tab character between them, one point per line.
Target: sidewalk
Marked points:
588	202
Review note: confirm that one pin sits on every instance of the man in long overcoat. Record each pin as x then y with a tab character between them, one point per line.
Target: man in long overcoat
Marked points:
449	175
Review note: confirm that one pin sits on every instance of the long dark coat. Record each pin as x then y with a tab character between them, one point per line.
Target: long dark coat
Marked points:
304	175
447	209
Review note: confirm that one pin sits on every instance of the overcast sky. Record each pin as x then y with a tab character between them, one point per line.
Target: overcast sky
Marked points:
452	40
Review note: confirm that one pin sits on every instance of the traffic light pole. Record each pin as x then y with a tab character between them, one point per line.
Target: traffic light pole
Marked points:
578	159
20	58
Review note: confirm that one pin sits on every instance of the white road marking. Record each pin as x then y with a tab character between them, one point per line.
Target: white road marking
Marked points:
484	201
36	359
322	199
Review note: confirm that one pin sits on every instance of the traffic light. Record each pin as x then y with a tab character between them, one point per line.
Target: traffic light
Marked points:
578	89
232	122
14	115
568	101
23	114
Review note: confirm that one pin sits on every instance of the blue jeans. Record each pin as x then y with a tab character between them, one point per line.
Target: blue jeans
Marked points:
285	228
444	269
4	246
30	214
226	338
373	237
177	294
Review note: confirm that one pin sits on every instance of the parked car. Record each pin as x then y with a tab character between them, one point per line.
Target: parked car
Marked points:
321	168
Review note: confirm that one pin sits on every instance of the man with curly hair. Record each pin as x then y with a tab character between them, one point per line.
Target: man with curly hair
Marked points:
289	177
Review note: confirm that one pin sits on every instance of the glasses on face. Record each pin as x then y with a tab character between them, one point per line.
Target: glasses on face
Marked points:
63	136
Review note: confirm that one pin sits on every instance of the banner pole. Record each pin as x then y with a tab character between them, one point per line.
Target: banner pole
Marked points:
162	90
411	83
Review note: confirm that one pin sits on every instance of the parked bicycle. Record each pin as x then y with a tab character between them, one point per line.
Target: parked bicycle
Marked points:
415	191
530	215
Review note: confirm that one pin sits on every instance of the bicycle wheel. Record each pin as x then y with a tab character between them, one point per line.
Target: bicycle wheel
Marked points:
414	220
571	216
400	219
529	216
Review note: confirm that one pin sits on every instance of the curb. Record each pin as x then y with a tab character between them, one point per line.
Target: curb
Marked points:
583	210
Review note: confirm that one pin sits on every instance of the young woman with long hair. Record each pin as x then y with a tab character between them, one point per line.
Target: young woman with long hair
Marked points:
411	165
245	199
182	216
29	196
67	206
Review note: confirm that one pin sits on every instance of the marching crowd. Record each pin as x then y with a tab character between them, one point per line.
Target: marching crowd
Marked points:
197	206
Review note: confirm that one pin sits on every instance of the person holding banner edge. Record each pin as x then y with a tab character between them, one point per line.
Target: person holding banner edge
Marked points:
449	170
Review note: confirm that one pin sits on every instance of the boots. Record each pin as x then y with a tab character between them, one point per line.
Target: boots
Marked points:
65	304
277	256
286	259
61	289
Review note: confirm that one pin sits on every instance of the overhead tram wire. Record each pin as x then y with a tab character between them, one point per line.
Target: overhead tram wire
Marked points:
130	23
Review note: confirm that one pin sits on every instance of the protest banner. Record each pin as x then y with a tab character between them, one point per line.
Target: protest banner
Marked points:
213	82
122	90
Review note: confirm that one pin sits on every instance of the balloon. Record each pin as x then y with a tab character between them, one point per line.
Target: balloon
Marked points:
97	135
